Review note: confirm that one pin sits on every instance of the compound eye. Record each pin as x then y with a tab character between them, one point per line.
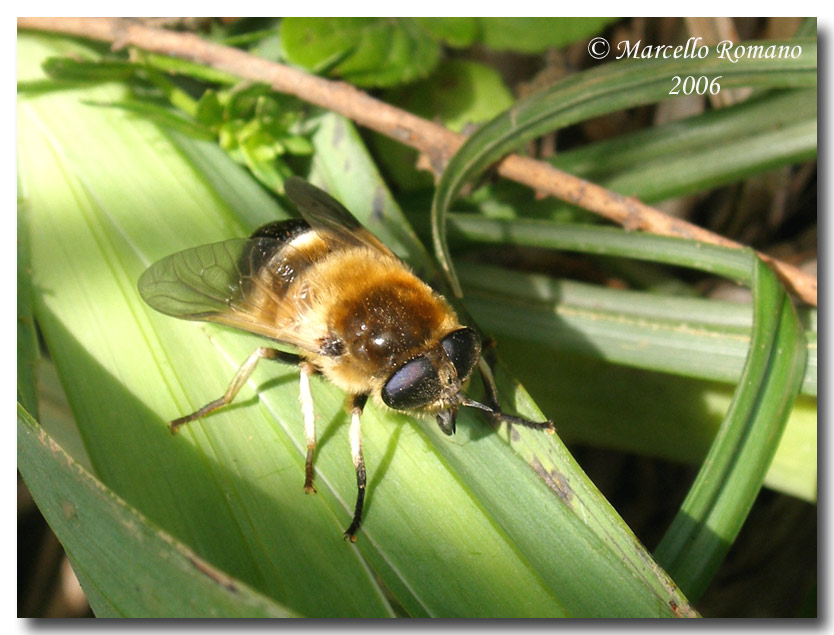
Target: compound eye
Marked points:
415	384
464	348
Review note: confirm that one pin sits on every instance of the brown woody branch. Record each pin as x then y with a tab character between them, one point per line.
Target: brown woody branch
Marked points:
433	140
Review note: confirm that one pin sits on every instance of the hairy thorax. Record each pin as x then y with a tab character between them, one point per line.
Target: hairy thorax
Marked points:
385	316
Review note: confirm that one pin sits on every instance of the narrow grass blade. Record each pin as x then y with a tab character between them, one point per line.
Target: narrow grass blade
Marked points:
27	339
703	152
570	314
693	337
733	472
651	414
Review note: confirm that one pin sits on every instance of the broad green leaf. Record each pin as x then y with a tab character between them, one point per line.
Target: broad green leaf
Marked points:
441	533
363	51
459	94
607	88
456	32
108	541
56	416
536	34
116	190
523	521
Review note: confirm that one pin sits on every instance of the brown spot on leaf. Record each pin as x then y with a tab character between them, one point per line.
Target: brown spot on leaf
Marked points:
69	510
554	480
218	576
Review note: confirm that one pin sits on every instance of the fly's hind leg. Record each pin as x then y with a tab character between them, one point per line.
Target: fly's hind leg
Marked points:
243	373
305	397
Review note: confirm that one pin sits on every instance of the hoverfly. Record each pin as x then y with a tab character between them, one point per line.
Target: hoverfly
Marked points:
353	310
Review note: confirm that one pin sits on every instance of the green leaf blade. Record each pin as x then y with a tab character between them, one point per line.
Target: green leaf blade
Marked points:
705	151
480	454
636	328
107	539
103	337
364	51
535	35
725	488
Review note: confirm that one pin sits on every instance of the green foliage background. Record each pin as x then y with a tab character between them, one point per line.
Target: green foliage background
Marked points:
127	164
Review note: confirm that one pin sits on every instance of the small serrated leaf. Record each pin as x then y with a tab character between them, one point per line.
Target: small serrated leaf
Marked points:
456	32
535	34
368	51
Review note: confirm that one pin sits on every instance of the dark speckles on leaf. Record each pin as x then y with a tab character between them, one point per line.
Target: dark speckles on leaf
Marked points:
378	208
554	480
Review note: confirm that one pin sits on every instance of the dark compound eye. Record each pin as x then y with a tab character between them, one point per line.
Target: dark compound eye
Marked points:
415	384
464	348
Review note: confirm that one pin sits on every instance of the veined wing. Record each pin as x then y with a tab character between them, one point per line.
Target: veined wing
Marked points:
240	283
328	217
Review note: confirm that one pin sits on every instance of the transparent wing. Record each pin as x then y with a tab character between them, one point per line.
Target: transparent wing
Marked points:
329	217
238	283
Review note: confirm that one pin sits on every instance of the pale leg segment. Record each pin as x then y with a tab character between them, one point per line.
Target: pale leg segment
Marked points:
355	435
240	378
306	399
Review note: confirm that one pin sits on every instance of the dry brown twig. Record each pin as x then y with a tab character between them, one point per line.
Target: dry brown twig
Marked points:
434	141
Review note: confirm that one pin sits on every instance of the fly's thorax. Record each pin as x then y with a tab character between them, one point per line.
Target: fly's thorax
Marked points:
379	316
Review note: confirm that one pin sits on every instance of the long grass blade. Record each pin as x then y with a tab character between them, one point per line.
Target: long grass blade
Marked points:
732	474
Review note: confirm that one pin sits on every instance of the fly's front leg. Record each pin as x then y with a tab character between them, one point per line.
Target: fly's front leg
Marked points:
491	390
357	405
243	374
